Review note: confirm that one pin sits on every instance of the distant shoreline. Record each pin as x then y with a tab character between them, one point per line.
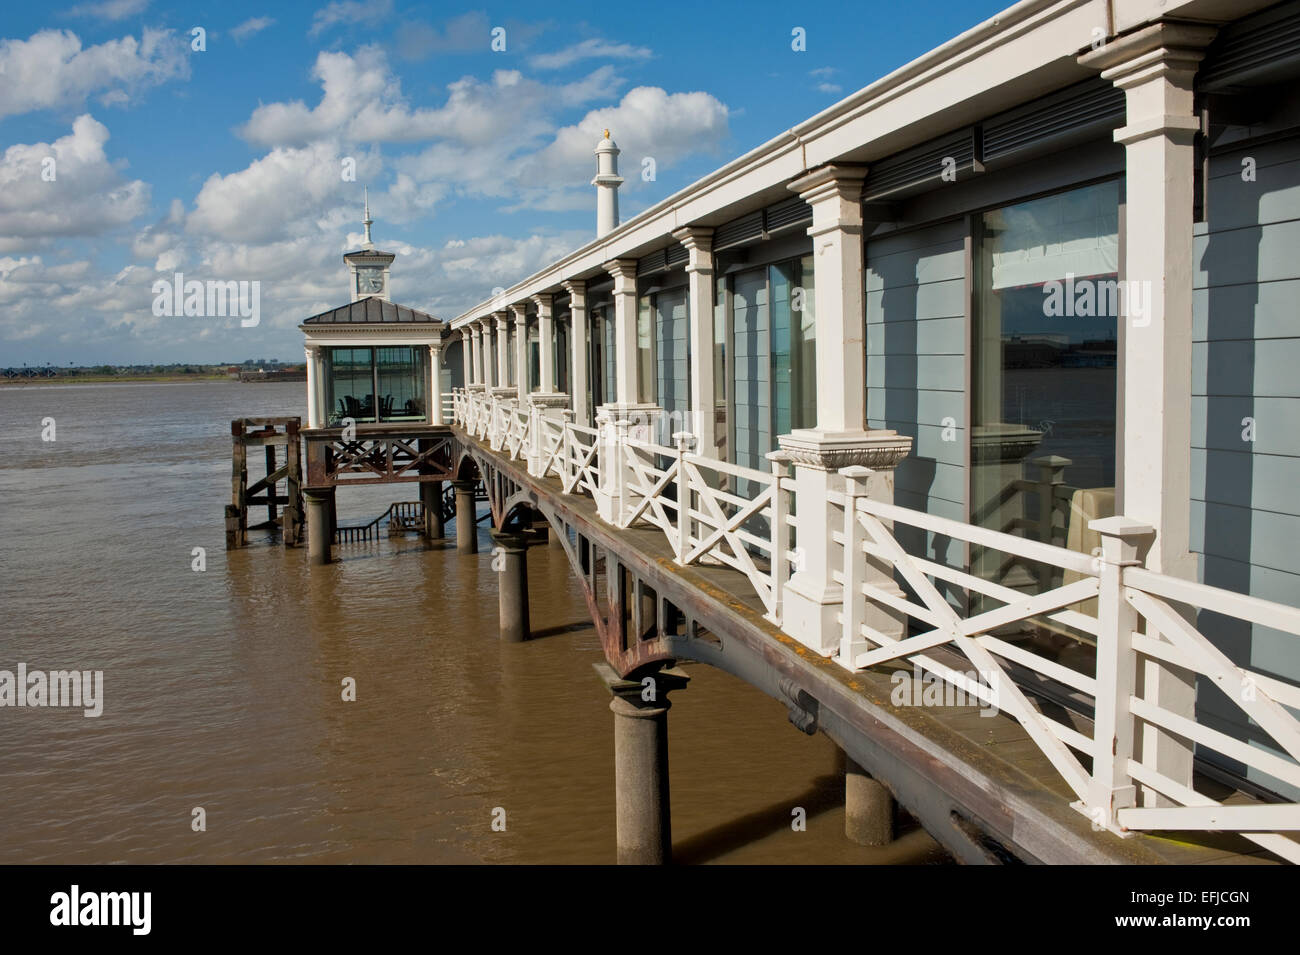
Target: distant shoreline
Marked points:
113	379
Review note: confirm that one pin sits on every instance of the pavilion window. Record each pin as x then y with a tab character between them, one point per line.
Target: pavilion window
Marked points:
369	385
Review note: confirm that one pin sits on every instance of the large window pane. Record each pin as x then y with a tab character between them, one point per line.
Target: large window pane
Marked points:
720	361
672	354
401	372
803	411
350	390
645	369
1044	374
752	427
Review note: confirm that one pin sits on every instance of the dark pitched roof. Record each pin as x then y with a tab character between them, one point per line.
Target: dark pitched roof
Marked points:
371	311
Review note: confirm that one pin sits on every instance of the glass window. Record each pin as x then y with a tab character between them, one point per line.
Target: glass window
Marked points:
645	367
1044	349
751	364
534	359
611	346
720	361
350	384
672	357
803	365
400	372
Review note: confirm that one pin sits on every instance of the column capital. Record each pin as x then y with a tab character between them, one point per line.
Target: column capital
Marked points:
518	312
623	272
840	182
310	349
577	289
630	695
503	318
543	301
1173	43
698	242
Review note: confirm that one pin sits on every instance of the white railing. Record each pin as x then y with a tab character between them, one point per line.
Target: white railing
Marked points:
1134	618
748	534
707	524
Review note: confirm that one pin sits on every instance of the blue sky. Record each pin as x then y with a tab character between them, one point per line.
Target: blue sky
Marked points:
227	163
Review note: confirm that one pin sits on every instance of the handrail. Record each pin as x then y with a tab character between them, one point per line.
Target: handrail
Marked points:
1134	613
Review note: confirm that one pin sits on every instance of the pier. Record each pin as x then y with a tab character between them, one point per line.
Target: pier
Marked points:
821	420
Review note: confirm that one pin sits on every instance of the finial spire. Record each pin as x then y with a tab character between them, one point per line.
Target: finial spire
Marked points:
367	221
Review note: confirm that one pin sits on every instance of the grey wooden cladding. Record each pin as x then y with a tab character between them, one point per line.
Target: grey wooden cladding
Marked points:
1245	402
916	345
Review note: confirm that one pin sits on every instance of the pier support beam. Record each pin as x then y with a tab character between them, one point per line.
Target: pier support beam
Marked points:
510	561
320	525
643	816
431	501
869	808
466	523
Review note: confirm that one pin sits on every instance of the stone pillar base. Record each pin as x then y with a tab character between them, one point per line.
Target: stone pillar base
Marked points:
643	813
812	601
869	808
320	526
466	522
510	561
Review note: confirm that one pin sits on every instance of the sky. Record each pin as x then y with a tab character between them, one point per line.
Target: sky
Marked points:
232	142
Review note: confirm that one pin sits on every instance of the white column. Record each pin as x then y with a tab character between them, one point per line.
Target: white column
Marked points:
484	352
1156	67
520	315
480	360
502	349
699	271
465	356
813	599
625	377
545	344
578	322
313	383
435	383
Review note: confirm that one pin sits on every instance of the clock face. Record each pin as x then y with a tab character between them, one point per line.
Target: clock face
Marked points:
370	281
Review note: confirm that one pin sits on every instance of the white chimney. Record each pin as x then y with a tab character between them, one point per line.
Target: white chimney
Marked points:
606	182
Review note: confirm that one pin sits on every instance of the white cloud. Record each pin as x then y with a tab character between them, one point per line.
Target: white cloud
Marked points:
88	195
362	101
51	69
109	9
589	49
830	88
251	26
366	13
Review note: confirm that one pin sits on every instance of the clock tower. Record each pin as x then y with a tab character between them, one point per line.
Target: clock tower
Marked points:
368	267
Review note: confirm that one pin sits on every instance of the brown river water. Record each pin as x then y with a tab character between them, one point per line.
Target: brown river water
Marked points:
222	688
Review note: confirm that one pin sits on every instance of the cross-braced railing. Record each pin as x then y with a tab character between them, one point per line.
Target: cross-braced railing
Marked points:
1132	617
719	526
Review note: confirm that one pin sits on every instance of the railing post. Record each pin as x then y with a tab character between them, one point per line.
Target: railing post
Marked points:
566	416
1111	787
620	483
856	483
780	531
684	440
